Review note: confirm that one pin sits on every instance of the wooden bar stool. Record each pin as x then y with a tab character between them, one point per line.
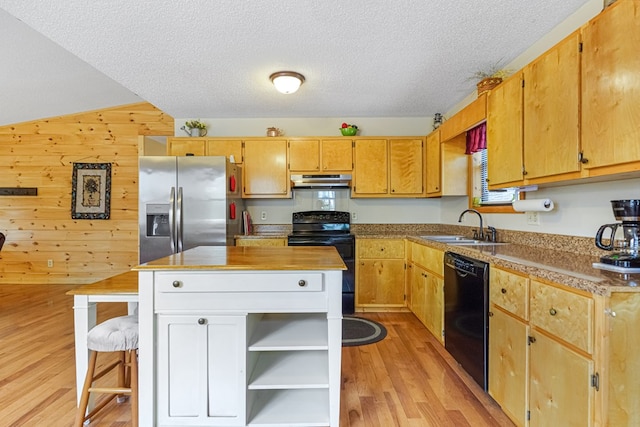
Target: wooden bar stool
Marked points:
119	334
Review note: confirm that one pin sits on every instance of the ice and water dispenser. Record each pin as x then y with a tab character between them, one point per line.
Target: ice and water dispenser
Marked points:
158	219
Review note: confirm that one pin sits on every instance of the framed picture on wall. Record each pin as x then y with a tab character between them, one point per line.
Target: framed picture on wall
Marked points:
91	191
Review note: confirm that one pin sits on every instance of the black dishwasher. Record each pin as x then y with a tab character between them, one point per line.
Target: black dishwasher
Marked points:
466	308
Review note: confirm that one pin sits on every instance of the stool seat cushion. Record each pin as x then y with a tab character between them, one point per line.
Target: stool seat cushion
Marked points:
117	334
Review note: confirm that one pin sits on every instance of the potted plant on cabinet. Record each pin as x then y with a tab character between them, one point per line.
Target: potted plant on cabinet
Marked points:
195	128
489	78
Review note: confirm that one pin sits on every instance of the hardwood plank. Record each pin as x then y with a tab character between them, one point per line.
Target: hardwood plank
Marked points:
407	379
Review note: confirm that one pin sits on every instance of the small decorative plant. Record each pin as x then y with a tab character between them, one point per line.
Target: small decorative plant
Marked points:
490	77
194	128
195	124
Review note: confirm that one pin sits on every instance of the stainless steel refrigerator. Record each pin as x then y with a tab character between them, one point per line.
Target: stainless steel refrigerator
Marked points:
186	202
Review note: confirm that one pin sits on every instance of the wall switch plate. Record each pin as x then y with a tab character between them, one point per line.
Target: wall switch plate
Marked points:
263	216
533	218
49	263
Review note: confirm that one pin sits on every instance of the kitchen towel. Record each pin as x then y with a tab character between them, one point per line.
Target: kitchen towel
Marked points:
533	205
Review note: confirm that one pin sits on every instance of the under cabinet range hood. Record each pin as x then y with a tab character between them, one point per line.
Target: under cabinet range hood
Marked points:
320	181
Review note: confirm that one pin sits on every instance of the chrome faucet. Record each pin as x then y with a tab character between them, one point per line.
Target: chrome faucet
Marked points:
481	231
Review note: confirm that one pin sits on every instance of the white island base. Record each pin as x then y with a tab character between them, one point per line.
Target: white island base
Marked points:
230	346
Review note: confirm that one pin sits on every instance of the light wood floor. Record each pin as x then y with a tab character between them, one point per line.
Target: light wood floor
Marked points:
407	379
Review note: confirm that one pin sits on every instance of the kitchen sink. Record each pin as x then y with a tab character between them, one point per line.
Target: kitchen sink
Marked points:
461	241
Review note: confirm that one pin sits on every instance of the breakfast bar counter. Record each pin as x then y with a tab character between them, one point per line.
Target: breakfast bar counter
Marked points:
234	336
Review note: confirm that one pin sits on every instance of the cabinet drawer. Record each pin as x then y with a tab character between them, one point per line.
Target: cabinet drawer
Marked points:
565	314
429	258
380	248
265	291
509	291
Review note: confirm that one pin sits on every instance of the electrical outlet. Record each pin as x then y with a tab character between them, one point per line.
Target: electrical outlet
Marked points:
354	216
49	263
263	216
533	218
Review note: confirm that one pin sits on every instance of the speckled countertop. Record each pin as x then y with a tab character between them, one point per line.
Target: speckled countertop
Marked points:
558	258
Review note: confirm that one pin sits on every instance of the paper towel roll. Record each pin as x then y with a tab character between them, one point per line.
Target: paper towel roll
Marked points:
533	205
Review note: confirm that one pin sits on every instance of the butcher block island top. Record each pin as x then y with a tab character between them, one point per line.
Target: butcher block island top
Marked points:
241	336
250	258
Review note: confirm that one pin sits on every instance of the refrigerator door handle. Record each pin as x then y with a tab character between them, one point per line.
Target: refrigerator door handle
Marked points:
172	216
179	214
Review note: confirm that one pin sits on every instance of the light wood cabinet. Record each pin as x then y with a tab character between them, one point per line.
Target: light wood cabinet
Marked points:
433	169
264	173
560	391
226	147
611	90
618	364
508	363
180	146
261	241
183	146
426	287
567	315
505	162
321	155
371	168
389	168
561	364
380	274
551	112
406	167
508	339
465	119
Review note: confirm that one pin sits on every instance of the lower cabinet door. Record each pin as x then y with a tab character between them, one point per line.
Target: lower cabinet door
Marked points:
560	391
508	364
434	305
201	370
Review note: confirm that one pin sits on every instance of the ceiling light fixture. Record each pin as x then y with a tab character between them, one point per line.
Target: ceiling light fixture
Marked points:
286	81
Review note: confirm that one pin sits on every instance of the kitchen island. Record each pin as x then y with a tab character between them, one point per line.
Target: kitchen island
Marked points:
235	336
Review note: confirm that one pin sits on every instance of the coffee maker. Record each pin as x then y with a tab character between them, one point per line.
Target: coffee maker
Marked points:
627	249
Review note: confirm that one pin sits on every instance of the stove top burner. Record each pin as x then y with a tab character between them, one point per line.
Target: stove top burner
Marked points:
322	223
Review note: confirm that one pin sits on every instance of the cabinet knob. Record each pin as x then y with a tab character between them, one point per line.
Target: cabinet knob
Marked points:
490	314
503	290
553	311
302	283
532	340
202	321
610	312
177	284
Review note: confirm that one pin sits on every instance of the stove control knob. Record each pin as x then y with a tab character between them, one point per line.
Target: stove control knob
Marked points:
302	283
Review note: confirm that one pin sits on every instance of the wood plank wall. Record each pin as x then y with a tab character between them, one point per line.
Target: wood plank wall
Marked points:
39	228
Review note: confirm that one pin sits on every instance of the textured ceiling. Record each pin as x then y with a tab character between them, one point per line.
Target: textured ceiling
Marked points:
202	58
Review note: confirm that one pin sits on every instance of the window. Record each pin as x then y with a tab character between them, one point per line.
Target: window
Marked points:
482	196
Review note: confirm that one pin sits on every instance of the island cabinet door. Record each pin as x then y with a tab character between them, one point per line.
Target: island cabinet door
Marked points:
201	370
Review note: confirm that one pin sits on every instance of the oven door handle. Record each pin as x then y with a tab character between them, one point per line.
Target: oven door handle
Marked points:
315	242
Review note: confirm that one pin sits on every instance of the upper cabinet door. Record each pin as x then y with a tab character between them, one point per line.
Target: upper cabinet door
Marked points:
611	86
504	133
304	155
371	167
265	168
183	146
406	167
551	111
225	147
433	164
337	155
